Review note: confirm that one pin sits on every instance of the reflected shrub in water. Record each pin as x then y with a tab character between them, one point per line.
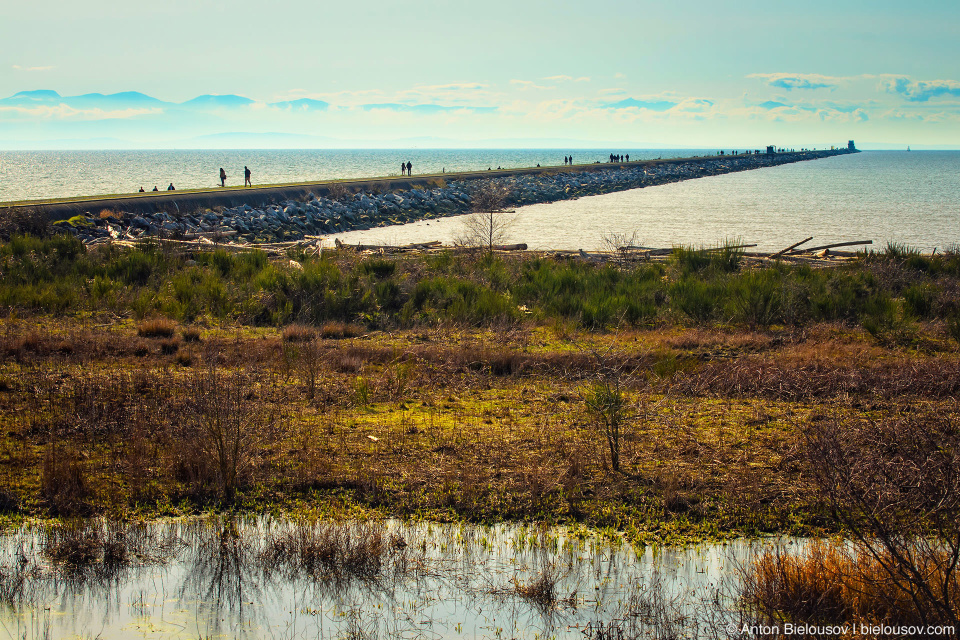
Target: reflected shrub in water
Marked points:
341	550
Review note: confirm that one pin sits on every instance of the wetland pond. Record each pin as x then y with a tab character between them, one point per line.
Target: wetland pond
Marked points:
271	578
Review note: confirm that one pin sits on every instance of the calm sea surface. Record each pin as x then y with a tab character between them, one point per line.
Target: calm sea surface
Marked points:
885	196
30	175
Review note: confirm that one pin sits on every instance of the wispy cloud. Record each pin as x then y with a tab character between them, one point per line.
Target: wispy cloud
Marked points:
790	81
562	78
17	67
922	90
529	84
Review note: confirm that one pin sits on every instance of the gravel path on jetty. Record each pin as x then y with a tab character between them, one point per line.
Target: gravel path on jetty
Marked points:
377	205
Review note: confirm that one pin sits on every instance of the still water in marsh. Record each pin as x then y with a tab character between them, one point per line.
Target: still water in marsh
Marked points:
264	578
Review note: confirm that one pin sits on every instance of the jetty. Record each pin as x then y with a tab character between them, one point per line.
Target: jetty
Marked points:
297	211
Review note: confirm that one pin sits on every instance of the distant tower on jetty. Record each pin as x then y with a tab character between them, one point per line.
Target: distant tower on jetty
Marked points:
770	149
851	146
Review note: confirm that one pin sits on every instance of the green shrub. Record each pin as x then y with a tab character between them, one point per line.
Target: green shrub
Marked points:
919	300
757	298
697	299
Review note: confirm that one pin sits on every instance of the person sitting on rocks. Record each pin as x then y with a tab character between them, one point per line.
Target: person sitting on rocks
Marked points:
141	189
171	187
223	177
155	188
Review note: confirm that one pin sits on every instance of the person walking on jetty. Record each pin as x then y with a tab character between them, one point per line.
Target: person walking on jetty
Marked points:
223	177
246	176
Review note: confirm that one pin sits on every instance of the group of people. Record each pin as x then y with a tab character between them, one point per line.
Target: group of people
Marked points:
223	179
246	177
406	168
620	158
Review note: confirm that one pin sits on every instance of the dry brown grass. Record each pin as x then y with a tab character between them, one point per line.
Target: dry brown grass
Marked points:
470	425
156	328
336	330
836	583
298	333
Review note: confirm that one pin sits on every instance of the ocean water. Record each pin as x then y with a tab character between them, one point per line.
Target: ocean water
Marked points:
32	175
910	198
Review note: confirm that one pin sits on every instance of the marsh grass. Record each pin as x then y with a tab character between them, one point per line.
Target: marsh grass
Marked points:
334	551
156	328
838	583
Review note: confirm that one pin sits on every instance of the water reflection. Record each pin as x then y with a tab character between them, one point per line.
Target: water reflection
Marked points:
270	578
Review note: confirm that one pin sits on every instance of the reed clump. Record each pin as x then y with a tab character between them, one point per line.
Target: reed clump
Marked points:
156	328
833	582
334	550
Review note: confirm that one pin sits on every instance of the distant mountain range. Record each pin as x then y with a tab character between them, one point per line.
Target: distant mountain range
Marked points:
137	100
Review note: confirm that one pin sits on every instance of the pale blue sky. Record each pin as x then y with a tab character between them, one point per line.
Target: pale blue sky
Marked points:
696	73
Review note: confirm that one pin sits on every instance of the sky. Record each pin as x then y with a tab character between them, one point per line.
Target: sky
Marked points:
452	73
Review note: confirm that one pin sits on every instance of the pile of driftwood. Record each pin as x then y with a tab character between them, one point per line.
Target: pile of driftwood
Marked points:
314	245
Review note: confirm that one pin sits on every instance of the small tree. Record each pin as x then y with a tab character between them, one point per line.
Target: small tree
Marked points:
606	401
487	225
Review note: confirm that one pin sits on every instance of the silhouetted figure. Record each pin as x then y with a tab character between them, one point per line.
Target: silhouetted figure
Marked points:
155	188
538	165
409	168
171	187
571	161
403	168
223	177
246	177
141	190
628	157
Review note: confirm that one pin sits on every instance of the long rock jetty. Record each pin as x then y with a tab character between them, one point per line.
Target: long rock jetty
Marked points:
292	212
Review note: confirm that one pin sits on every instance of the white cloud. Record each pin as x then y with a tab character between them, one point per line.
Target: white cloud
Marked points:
17	67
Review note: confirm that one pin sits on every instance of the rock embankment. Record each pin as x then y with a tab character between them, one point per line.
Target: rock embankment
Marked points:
319	215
